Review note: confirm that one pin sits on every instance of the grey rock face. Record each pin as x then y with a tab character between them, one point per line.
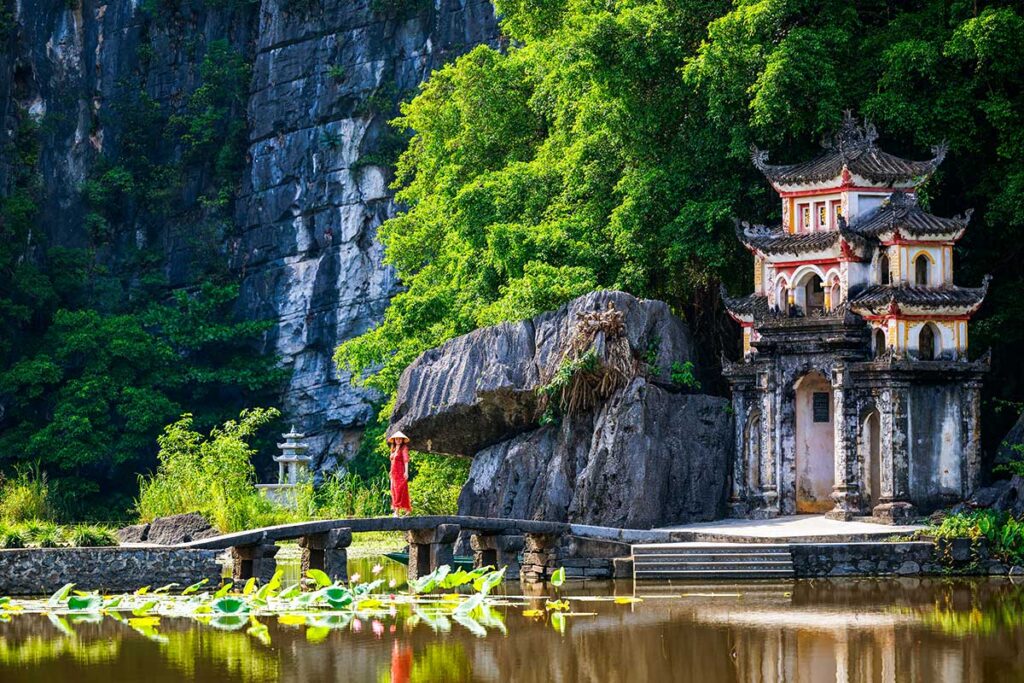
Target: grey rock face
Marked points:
175	529
1013	440
312	200
134	533
480	388
650	455
648	458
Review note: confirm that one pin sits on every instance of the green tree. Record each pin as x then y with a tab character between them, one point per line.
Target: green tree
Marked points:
608	146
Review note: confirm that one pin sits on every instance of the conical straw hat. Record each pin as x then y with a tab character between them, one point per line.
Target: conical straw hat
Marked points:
396	436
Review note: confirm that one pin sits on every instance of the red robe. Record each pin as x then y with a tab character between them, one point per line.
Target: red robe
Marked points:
399	482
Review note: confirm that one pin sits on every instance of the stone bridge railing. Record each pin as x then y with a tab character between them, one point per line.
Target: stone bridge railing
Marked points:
495	541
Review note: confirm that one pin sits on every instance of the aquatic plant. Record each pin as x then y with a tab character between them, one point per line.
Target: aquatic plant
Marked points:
435	600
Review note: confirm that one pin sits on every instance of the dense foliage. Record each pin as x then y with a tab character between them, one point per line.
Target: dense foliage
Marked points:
211	474
99	349
1003	534
608	146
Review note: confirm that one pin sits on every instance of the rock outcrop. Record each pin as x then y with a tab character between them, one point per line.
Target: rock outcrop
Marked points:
190	526
651	454
316	187
480	388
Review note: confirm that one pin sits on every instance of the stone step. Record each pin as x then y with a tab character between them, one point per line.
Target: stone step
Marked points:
721	548
711	557
713	574
712	561
749	564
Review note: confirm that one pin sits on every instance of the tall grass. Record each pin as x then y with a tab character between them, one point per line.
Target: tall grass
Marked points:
26	496
350	495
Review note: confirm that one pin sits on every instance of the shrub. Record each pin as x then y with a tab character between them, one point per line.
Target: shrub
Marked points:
435	486
1003	533
25	497
48	536
91	536
12	537
211	474
682	374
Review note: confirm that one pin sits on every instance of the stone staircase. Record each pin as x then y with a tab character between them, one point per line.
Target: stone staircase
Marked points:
712	561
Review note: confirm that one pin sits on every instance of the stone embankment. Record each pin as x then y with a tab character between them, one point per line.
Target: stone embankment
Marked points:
40	571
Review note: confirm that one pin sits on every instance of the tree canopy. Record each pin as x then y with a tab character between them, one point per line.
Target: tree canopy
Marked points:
607	145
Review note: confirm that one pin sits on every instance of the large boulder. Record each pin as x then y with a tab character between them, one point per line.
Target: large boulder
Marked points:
649	457
183	528
481	388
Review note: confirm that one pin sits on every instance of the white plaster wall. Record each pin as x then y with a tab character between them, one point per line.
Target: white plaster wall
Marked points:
815	466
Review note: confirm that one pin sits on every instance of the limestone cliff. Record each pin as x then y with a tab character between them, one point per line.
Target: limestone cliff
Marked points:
314	184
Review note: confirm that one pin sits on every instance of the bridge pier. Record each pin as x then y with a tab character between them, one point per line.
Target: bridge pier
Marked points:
253	560
497	550
328	552
430	548
540	557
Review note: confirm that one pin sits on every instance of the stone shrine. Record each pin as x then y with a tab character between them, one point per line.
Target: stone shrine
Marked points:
855	394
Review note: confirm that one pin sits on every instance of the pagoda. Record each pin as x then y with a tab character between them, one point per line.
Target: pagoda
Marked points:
855	395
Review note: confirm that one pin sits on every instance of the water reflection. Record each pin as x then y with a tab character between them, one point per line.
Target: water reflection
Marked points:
850	631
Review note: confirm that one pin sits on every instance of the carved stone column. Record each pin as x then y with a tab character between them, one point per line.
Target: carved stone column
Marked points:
327	552
972	438
846	488
738	506
768	390
430	548
895	503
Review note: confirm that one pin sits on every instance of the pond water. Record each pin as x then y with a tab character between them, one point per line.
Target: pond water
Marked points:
849	631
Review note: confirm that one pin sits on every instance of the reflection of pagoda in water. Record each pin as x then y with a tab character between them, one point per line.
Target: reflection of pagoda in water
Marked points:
855	394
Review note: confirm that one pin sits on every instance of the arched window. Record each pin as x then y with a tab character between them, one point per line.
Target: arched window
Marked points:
879	343
926	342
814	294
883	269
921	270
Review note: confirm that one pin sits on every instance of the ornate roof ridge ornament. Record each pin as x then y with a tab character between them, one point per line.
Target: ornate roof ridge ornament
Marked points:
851	140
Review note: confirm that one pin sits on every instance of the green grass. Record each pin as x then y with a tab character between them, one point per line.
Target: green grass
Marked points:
376	543
37	533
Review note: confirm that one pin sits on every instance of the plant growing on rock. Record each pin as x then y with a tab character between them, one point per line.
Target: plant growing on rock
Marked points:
596	361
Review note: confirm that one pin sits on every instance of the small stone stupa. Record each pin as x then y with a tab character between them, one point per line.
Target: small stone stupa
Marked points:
293	469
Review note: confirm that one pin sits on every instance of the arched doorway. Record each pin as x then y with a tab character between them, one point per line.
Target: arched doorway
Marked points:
883	270
921	267
814	295
879	343
927	342
815	460
871	458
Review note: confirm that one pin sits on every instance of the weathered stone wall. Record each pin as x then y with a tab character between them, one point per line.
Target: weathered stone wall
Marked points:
40	571
864	559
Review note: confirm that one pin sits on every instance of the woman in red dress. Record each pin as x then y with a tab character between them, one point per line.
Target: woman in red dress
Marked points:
399	444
